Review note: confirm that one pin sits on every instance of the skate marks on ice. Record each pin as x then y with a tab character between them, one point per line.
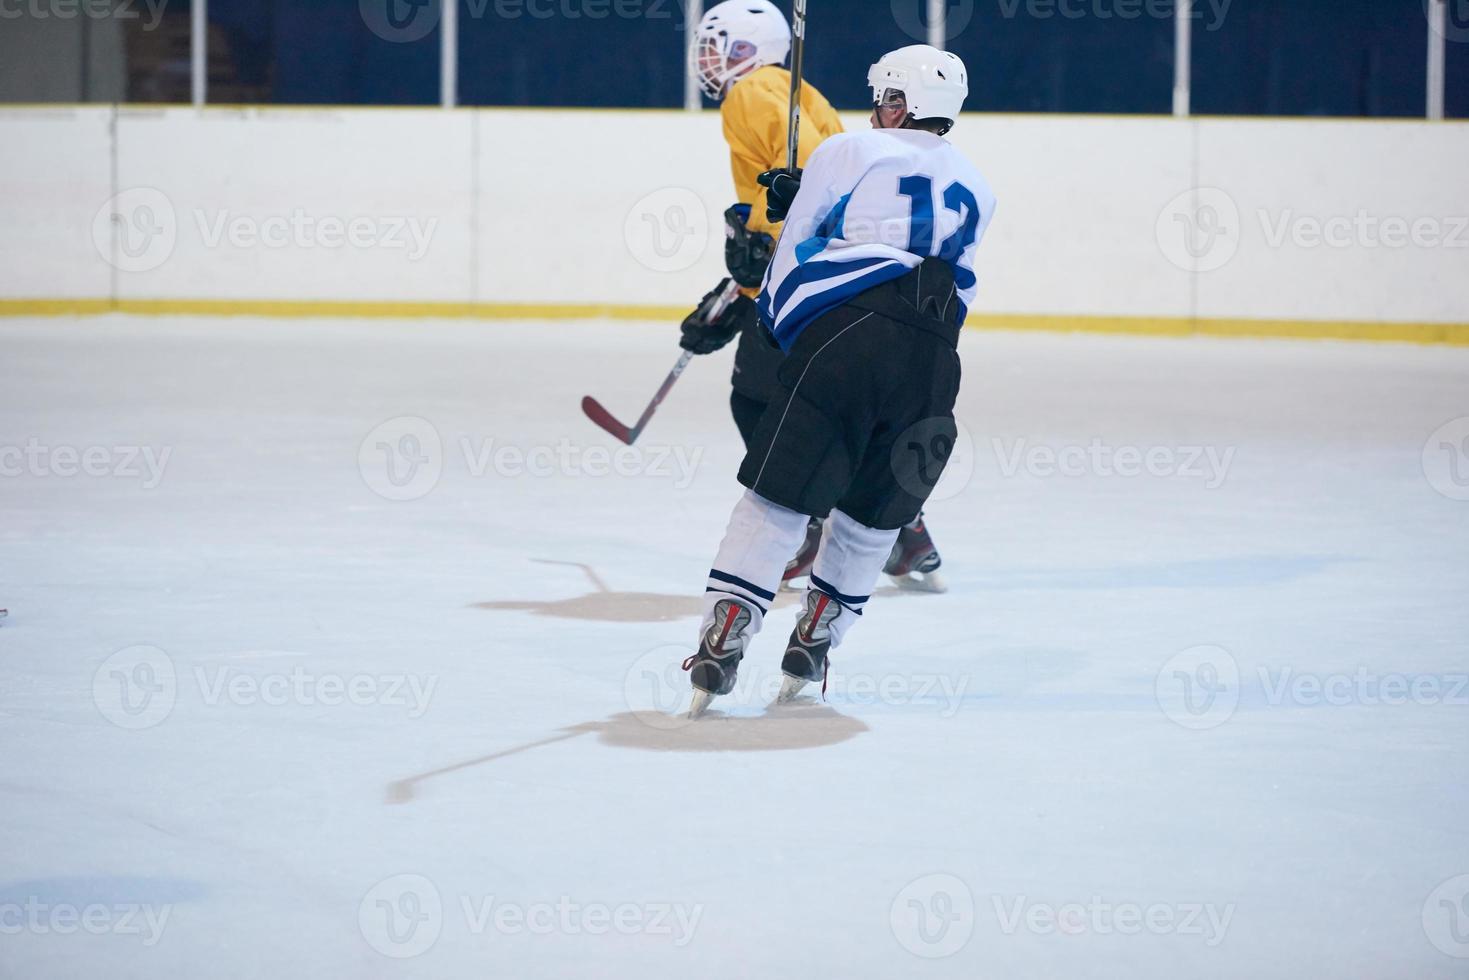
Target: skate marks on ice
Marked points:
803	724
606	605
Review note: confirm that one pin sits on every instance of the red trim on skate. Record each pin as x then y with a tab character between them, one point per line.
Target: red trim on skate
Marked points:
821	604
734	611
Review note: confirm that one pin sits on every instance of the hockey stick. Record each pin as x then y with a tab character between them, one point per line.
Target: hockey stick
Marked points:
798	51
594	409
629	434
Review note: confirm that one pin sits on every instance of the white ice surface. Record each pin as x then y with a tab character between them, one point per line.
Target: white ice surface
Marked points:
1056	776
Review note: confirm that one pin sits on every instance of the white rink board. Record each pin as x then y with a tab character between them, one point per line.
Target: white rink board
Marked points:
624	208
1283	175
227	169
57	177
571	201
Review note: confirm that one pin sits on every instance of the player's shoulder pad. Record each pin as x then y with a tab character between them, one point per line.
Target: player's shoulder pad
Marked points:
762	84
841	145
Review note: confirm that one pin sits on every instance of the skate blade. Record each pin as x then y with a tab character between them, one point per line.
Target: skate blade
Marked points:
700	704
790	688
920	582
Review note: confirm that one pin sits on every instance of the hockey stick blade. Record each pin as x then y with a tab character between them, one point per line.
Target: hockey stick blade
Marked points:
604	420
629	434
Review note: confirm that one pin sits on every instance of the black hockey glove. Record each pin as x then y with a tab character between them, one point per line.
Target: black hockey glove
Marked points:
704	336
784	185
746	252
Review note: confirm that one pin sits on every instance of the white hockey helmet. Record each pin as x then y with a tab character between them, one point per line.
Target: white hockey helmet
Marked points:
736	37
934	83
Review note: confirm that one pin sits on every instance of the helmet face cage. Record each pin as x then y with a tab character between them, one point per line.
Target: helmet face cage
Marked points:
719	61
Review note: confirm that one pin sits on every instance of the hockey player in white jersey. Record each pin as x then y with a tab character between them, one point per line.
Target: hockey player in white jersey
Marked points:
868	289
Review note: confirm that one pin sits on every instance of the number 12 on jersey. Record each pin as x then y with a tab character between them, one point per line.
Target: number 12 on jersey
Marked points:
959	199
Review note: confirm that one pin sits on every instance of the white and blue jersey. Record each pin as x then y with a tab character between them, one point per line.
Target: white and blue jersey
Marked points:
872	206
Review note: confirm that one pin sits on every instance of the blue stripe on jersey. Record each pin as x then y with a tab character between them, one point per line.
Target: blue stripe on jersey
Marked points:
830	227
813	272
792	322
800	276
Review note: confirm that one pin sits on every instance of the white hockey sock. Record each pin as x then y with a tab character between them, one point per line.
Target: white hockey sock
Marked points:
847	566
760	539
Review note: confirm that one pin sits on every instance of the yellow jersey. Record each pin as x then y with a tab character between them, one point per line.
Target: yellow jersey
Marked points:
756	115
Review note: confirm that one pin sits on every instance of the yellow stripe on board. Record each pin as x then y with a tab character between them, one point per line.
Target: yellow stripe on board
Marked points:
1419	333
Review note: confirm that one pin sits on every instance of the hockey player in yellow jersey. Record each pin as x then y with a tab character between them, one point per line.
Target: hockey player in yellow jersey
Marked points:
739	52
738	56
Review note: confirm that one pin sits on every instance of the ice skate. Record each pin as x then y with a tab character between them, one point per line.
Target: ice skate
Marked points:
915	561
806	660
712	670
800	566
